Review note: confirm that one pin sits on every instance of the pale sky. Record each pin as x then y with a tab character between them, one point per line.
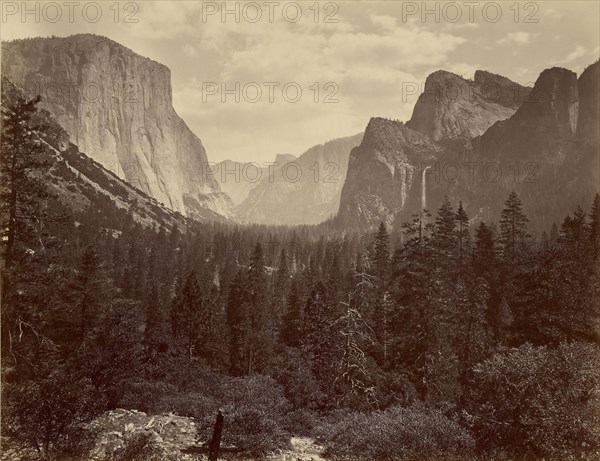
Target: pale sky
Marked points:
365	55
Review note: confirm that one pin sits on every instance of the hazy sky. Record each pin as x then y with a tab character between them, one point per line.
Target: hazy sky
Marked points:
367	56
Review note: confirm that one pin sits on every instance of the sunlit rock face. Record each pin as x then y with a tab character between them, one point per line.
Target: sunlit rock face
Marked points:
454	108
117	107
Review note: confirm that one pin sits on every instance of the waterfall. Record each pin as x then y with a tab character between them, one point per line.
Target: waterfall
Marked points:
424	189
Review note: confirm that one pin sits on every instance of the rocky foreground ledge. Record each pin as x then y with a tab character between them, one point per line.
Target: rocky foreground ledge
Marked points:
169	434
166	437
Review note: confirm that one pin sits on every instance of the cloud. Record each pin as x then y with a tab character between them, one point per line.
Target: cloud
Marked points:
451	26
577	53
387	23
520	38
190	50
552	13
165	20
368	61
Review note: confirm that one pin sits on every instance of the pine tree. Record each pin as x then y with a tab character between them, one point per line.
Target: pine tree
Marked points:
155	332
91	287
513	230
595	226
381	254
354	378
238	322
574	235
261	340
292	323
212	345
278	295
444	236
133	278
364	287
22	153
554	235
484	251
438	365
462	234
474	335
417	233
27	252
318	340
334	280
186	314
380	267
505	318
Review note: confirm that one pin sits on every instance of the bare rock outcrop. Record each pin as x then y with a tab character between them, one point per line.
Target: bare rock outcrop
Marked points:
454	108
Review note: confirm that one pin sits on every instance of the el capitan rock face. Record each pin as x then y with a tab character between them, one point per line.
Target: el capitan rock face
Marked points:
117	107
453	108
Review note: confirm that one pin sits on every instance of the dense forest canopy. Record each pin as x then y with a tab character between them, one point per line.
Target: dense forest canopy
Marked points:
436	339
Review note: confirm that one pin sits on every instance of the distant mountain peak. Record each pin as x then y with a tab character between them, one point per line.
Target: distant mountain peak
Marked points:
309	198
553	103
284	158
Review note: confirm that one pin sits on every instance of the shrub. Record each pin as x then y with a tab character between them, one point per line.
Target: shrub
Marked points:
49	414
538	402
301	422
186	404
300	386
254	410
141	446
395	434
144	395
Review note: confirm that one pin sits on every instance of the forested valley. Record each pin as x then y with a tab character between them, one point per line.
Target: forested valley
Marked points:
439	340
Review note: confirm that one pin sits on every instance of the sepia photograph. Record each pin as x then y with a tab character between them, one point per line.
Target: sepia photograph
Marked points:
350	230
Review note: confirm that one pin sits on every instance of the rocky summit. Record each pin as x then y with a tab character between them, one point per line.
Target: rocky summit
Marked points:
117	107
454	108
543	146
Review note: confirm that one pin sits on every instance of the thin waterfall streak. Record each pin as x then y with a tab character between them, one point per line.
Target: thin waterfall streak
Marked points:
424	189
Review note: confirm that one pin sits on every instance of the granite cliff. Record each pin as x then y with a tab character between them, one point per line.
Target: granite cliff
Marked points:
544	147
385	174
453	108
117	107
530	153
